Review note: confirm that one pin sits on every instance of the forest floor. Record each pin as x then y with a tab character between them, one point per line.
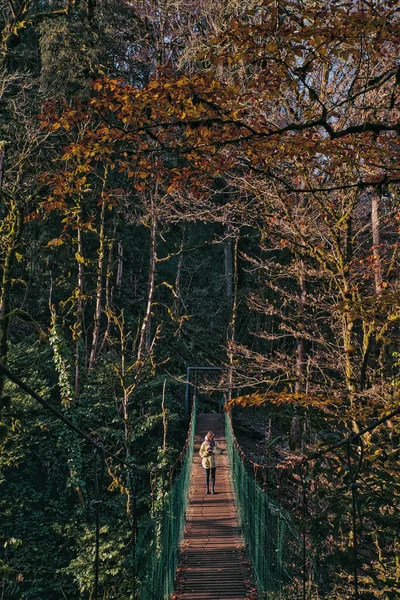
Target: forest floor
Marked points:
264	433
251	429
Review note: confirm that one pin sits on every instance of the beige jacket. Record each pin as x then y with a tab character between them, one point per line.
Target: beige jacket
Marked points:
209	460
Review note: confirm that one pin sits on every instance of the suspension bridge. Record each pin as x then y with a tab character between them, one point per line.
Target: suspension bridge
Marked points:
260	537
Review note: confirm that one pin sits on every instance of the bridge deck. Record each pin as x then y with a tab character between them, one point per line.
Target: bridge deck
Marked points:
213	565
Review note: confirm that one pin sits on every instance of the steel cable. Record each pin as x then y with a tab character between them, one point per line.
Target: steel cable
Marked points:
98	485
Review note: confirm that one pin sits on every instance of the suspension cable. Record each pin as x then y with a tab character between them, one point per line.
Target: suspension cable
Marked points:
98	484
354	487
354	467
133	509
355	436
352	436
97	445
100	453
304	511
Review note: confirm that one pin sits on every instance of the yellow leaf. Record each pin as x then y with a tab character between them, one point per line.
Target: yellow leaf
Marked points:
55	242
79	258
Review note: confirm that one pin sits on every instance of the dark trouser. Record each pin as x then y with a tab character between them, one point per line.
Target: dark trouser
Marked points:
212	471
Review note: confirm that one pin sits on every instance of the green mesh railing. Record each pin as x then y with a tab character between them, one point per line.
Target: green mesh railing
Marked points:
272	541
159	536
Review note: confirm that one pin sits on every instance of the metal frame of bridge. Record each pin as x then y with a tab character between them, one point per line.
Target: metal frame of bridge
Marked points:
188	383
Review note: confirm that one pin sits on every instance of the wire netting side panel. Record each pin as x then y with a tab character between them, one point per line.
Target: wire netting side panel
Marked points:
147	559
157	551
174	524
272	542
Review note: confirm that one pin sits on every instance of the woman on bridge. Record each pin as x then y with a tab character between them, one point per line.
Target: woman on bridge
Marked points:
208	452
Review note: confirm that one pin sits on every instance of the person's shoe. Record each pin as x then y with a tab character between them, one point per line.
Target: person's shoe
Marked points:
207	491
213	492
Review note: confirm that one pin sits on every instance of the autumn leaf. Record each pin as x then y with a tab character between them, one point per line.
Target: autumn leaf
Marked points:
55	242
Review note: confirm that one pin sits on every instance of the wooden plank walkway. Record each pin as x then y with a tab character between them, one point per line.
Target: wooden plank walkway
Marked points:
213	566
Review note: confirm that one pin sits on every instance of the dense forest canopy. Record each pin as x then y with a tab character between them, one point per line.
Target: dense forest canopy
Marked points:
189	183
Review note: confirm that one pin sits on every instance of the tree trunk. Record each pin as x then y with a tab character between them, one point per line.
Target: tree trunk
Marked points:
375	243
232	324
126	389
177	298
120	257
300	356
79	325
99	290
108	292
16	225
1	166
348	353
144	342
228	261
165	416
295	433
91	7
